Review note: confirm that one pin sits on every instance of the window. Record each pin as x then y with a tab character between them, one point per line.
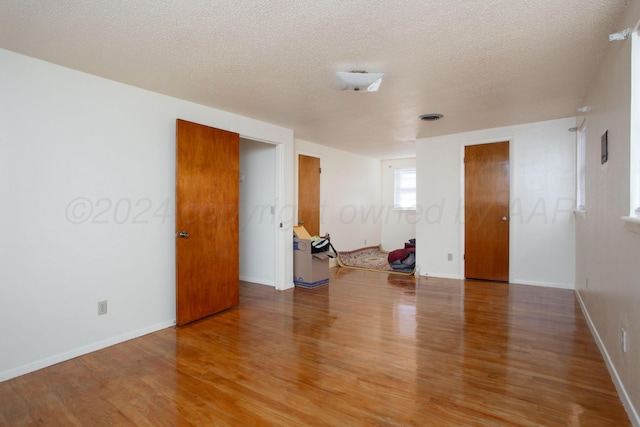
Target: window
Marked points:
634	167
581	176
404	189
634	133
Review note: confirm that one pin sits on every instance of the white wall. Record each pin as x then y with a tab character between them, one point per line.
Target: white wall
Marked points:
542	242
607	267
257	212
349	196
87	182
398	226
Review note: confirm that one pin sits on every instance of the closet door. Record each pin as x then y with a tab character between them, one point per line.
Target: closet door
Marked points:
309	193
486	223
207	187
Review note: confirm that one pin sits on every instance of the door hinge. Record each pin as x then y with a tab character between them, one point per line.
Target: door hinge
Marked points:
319	170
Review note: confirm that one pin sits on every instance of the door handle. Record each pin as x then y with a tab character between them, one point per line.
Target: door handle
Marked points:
183	235
504	218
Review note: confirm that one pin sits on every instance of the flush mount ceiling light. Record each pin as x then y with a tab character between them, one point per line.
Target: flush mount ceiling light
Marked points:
431	117
357	81
620	35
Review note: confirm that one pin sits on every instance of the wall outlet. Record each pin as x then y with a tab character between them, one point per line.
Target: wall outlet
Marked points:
102	307
623	339
450	257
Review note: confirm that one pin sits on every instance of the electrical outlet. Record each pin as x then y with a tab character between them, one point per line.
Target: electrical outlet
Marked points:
102	307
623	339
450	257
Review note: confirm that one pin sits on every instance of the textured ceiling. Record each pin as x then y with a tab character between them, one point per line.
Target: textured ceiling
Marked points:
480	63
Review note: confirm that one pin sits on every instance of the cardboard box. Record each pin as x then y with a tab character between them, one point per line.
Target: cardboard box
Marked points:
309	270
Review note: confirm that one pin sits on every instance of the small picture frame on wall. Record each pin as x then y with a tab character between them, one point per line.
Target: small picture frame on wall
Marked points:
604	147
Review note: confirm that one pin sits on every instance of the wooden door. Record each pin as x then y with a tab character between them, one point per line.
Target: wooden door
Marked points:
486	194
309	193
207	267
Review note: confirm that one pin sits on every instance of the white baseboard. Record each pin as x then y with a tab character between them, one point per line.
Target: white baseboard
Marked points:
258	280
50	361
513	281
288	285
542	284
440	275
622	392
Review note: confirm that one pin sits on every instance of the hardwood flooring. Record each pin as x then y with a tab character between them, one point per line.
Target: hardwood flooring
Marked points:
367	349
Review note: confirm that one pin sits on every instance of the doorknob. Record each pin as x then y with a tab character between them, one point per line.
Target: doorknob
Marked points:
504	218
183	235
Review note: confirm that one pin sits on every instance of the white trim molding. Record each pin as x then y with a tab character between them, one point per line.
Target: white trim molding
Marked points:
617	382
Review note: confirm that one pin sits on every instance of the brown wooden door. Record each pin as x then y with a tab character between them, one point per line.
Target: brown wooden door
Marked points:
207	267
309	193
486	194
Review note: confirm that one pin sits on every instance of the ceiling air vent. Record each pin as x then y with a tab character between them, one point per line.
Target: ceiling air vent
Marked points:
432	117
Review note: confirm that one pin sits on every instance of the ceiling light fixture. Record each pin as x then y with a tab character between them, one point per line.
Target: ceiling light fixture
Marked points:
357	81
620	35
583	109
431	117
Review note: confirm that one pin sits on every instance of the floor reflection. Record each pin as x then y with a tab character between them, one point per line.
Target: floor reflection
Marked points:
311	327
367	349
404	309
485	339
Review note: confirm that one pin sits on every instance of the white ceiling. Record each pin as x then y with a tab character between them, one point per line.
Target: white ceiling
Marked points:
482	64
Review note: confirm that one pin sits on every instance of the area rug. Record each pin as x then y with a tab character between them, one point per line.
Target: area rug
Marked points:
372	258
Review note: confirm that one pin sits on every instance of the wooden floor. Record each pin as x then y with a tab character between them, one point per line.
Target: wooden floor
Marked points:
368	349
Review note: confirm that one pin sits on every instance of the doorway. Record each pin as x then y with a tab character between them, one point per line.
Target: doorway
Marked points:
207	167
486	226
258	209
208	234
